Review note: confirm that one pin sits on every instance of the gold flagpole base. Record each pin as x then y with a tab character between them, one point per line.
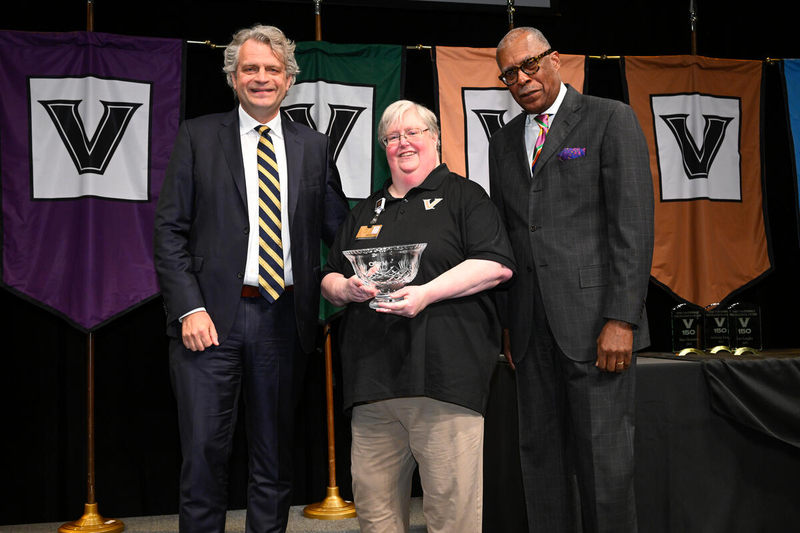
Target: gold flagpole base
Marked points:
333	507
92	521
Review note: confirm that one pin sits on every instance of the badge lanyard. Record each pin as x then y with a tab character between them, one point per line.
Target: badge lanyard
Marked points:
378	210
372	230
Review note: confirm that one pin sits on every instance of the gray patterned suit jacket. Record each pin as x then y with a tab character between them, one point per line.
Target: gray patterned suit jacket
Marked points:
584	223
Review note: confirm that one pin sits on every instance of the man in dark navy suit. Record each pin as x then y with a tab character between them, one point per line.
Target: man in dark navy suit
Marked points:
247	198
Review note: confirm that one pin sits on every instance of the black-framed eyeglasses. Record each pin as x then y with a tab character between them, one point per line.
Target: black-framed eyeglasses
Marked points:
530	67
411	135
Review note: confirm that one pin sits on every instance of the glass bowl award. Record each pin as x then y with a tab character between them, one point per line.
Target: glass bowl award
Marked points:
388	268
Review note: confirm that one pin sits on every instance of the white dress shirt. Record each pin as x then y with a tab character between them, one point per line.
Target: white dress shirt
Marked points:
249	141
249	138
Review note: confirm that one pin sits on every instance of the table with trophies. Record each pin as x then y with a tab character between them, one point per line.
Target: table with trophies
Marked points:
717	441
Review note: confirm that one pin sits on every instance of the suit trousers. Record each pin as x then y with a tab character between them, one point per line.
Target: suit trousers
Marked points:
574	421
390	438
255	361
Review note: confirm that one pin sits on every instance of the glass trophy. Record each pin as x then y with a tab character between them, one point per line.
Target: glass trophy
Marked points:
388	268
717	330
745	320
687	329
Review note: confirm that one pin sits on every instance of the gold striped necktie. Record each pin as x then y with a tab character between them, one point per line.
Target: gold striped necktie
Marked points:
270	250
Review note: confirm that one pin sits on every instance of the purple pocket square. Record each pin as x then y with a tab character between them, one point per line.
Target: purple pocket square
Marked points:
571	153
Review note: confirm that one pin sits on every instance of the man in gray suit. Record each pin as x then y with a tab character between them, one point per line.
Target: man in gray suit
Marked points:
571	177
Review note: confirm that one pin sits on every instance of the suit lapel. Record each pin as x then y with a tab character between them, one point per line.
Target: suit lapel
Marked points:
231	143
294	162
514	154
566	119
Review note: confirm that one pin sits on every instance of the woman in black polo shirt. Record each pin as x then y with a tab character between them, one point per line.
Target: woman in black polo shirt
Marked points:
417	371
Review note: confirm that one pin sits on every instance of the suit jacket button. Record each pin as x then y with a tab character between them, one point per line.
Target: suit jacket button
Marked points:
533	228
247	231
240	275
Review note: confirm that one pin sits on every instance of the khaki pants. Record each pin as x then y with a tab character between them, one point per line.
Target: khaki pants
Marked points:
390	438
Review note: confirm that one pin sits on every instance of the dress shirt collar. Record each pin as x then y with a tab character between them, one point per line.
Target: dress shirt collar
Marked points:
552	110
248	124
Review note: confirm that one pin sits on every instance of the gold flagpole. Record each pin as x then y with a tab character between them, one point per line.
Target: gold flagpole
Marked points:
333	507
91	519
317	20
89	15
510	11
693	24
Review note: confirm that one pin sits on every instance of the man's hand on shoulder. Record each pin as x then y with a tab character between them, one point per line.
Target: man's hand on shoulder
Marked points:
198	332
614	347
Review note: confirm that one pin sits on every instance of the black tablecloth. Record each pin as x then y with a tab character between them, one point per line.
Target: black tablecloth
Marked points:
764	395
696	471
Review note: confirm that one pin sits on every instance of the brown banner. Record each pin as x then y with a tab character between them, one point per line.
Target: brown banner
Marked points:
701	118
473	103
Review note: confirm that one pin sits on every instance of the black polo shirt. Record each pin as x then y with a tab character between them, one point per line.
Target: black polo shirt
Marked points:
449	350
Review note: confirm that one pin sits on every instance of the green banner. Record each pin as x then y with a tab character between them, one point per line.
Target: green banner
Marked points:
342	90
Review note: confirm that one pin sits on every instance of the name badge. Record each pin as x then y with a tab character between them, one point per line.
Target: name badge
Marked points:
368	232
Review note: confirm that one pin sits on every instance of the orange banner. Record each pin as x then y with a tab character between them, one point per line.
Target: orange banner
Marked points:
702	118
473	104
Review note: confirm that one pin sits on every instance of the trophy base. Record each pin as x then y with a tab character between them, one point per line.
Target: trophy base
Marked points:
374	303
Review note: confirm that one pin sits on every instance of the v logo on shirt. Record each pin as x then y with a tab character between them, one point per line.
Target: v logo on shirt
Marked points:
430	203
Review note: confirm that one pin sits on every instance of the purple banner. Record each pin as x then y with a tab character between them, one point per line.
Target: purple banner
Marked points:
87	124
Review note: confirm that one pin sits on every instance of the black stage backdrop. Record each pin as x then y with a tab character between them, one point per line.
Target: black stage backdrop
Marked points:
44	359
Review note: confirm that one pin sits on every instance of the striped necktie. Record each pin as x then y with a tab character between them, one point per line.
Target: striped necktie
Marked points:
270	252
543	122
